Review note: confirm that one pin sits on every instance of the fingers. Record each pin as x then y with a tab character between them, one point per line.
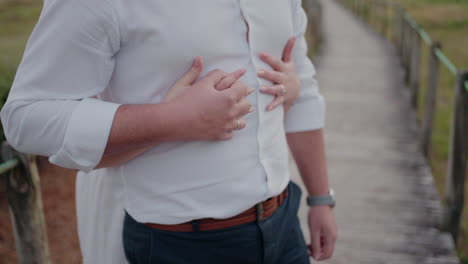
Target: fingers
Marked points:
186	80
226	136
193	73
278	89
236	124
329	240
273	76
237	92
242	108
327	247
274	62
214	77
229	80
279	100
315	244
287	52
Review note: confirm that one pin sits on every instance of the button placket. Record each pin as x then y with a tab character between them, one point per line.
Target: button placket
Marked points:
260	106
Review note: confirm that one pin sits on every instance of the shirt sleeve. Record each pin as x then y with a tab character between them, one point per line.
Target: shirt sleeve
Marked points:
68	58
308	112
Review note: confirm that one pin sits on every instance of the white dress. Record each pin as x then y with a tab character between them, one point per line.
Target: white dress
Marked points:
100	213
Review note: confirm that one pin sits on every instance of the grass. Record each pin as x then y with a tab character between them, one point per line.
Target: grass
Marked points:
17	20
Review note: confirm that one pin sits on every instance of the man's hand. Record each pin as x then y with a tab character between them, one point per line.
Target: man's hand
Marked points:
323	232
308	150
287	84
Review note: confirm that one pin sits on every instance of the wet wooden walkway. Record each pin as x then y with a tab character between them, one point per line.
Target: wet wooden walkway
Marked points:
387	206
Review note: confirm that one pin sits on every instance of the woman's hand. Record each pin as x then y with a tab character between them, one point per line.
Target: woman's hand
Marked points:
287	84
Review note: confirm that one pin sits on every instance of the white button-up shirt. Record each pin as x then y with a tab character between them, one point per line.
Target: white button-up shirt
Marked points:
132	52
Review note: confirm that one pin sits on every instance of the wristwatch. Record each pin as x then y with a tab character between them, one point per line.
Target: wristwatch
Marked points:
322	199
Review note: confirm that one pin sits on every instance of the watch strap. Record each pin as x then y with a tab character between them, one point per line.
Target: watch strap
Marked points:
321	200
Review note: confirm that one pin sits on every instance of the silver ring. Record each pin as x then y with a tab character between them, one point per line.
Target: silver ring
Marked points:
238	124
283	90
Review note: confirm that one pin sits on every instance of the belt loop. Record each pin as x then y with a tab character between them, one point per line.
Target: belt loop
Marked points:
195	225
259	212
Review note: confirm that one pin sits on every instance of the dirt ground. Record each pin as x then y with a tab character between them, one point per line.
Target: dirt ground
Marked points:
58	193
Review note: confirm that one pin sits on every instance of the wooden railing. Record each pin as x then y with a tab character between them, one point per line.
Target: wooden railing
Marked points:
20	174
409	38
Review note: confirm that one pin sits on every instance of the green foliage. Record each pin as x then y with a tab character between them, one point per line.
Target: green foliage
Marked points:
17	19
6	79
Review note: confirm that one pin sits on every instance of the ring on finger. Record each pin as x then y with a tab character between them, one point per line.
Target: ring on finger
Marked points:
283	90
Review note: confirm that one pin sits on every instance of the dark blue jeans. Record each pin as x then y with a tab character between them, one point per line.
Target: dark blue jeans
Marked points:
277	239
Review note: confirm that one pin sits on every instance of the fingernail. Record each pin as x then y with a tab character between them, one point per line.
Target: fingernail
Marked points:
241	71
269	108
251	109
263	88
261	72
250	90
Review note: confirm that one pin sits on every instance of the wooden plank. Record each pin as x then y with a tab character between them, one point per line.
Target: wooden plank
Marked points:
456	176
431	94
25	202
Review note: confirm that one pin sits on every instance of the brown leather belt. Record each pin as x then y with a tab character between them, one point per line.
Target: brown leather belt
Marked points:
256	213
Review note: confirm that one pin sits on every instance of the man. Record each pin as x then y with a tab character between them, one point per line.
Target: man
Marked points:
205	176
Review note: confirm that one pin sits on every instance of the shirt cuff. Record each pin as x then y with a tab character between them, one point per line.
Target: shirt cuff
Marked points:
306	115
86	135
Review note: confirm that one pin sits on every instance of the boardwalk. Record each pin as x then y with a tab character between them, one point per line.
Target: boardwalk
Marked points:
387	205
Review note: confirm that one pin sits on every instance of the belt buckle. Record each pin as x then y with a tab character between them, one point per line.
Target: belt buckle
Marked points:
260	212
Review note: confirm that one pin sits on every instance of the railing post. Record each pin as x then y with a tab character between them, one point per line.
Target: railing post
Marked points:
407	49
401	31
396	11
431	93
415	67
456	176
25	203
404	47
